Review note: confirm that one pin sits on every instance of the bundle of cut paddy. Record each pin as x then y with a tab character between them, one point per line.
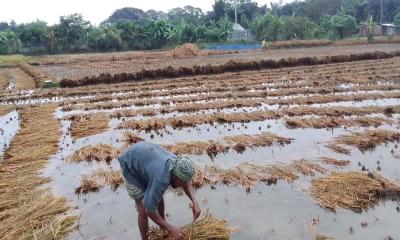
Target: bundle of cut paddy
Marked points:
306	167
88	126
238	143
367	140
88	184
130	138
210	147
206	228
99	153
94	181
283	172
332	122
259	140
352	190
336	162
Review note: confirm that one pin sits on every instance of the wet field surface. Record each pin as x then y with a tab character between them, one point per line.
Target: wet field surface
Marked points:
272	212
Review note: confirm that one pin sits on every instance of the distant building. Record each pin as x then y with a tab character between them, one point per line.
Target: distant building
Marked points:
239	33
386	29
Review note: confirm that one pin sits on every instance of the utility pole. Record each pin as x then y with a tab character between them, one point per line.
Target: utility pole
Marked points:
381	17
236	12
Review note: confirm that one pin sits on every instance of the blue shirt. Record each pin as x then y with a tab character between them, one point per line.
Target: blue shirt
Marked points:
147	166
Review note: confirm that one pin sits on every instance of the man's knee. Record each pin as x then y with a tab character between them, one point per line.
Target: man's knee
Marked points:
140	208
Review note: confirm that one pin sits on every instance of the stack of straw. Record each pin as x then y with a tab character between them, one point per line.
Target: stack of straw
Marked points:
207	228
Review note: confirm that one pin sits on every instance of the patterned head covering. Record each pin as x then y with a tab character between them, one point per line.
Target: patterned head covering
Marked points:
183	168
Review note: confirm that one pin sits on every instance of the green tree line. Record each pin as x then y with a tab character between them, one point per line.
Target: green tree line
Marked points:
135	29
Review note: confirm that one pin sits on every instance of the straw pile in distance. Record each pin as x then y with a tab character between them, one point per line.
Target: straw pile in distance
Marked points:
365	141
91	125
352	190
27	210
99	153
206	228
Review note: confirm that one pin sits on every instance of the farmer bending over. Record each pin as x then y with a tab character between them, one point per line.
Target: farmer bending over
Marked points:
148	170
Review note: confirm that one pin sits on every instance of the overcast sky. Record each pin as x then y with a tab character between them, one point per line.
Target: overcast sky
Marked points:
95	11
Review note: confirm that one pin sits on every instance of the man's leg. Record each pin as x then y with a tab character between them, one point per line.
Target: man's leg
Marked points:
161	208
143	220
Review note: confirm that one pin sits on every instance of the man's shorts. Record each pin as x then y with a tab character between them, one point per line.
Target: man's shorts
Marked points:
134	192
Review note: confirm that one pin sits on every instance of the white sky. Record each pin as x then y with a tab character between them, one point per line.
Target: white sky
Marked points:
95	11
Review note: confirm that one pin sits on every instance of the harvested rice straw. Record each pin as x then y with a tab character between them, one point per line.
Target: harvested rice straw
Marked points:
367	140
283	172
96	180
212	148
27	210
87	185
306	168
327	122
259	140
99	153
205	228
338	149
130	138
23	80
92	125
246	175
353	190
3	80
337	163
5	109
320	237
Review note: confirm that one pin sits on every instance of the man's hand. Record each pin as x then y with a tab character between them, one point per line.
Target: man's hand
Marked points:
196	211
176	233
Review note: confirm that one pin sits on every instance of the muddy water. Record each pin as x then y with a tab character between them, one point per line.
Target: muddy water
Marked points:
283	211
9	126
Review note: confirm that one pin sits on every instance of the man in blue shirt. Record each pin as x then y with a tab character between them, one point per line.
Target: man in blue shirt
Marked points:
148	170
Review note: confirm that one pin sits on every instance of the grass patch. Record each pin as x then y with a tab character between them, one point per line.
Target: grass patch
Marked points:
12	59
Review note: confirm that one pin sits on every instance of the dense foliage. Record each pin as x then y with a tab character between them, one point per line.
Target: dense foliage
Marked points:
133	29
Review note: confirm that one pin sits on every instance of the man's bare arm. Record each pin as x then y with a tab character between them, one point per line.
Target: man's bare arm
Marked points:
189	191
175	233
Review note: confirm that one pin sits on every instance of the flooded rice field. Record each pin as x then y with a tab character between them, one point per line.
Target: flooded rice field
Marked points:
263	141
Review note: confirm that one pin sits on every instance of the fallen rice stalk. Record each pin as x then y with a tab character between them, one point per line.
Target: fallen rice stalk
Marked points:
337	163
332	122
205	228
212	148
5	109
353	190
194	120
106	153
27	210
246	175
23	80
130	138
98	179
91	125
320	237
99	153
367	140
